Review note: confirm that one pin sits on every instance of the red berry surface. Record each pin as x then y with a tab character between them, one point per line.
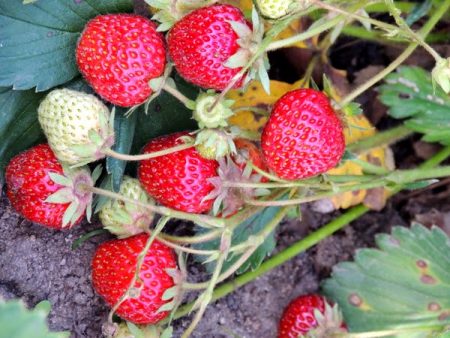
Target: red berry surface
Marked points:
29	185
303	136
201	42
298	318
178	180
119	54
114	266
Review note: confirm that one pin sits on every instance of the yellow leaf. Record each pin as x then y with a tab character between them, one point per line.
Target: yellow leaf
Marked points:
358	128
255	96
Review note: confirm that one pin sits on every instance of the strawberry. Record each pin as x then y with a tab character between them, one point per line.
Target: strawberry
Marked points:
275	9
124	218
303	137
114	266
76	125
201	42
30	186
119	54
177	180
310	315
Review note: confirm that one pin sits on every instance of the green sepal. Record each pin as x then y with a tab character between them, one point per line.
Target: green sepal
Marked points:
166	307
97	173
62	196
60	179
167	333
170	293
69	214
241	29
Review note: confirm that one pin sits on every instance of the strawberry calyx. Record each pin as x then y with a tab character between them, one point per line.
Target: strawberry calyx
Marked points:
229	198
74	192
173	295
124	218
215	143
441	74
209	113
329	323
250	41
276	10
168	12
100	141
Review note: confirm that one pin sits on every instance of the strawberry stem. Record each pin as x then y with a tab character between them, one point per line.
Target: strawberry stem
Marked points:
397	177
178	95
186	249
197	218
307	242
380	139
205	298
426	29
394	11
252	243
125	157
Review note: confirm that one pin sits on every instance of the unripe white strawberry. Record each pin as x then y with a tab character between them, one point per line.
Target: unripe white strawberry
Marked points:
275	9
125	218
76	125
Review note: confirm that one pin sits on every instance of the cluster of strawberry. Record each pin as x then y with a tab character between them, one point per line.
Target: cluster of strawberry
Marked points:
119	55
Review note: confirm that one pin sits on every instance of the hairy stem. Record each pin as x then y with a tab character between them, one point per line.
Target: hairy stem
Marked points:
397	177
252	244
205	299
305	243
426	29
197	218
394	11
126	157
177	94
380	139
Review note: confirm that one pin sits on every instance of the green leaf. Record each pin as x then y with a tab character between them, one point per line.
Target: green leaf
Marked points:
410	95
19	128
18	322
404	285
250	227
124	128
38	40
165	115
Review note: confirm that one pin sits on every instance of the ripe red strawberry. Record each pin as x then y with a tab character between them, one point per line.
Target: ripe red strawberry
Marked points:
202	41
178	180
114	266
303	136
119	54
310	314
29	185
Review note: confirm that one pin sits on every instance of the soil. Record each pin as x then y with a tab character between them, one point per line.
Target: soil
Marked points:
37	263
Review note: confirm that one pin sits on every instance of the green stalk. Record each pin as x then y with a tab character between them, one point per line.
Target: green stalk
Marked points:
426	29
307	242
380	139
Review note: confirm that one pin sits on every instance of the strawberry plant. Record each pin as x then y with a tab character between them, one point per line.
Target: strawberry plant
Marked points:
165	101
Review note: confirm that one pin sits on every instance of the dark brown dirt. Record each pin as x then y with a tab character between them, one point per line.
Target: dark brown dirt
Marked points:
37	264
